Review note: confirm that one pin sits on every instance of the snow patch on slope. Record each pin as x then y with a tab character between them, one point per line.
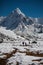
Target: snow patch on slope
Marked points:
6	48
19	12
8	32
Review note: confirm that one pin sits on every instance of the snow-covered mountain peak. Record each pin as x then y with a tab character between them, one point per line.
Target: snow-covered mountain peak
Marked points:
20	24
17	11
15	19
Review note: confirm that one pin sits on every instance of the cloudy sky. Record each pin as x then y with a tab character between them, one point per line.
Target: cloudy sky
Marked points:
32	8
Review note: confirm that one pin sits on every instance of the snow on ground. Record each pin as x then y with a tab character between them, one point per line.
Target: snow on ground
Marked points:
23	50
8	32
22	59
17	50
6	48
